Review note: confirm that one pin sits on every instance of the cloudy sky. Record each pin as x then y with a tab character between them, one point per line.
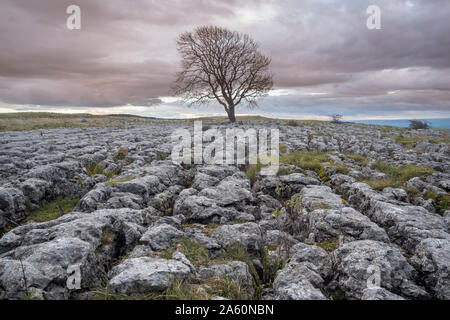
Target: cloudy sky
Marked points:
324	58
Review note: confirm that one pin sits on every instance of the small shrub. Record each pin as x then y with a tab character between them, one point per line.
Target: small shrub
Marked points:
418	124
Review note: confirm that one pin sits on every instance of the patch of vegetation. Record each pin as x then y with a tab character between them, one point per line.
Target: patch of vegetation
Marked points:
402	173
412	192
292	123
320	206
207	289
305	160
340	168
410	141
283	148
106	294
323	175
294	207
166	253
329	246
283	171
441	201
94	168
107	237
24	121
161	156
112	183
197	254
380	184
360	160
418	124
209	228
234	253
121	154
252	171
166	206
52	210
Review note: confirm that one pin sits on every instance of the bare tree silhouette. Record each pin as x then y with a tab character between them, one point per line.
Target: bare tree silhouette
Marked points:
222	65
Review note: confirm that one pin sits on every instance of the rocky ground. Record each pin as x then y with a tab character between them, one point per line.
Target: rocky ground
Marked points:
350	202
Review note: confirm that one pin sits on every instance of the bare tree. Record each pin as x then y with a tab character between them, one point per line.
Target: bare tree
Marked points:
222	65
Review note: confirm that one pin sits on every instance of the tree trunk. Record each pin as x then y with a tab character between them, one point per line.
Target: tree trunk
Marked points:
231	115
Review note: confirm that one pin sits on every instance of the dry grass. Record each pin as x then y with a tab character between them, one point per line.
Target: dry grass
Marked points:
24	121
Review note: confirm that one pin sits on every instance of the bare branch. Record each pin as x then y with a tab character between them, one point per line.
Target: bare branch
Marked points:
222	65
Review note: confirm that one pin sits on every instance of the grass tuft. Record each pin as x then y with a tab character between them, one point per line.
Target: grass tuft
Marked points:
52	210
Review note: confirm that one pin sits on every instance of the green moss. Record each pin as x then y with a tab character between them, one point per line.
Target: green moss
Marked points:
52	210
283	148
328	246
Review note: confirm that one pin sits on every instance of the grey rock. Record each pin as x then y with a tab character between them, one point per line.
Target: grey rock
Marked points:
161	237
356	264
379	294
432	258
345	224
146	274
247	235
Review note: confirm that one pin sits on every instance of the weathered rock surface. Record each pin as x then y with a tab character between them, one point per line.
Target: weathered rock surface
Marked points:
146	275
358	265
134	202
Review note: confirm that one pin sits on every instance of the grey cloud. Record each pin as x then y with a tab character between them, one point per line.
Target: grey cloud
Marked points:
125	52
